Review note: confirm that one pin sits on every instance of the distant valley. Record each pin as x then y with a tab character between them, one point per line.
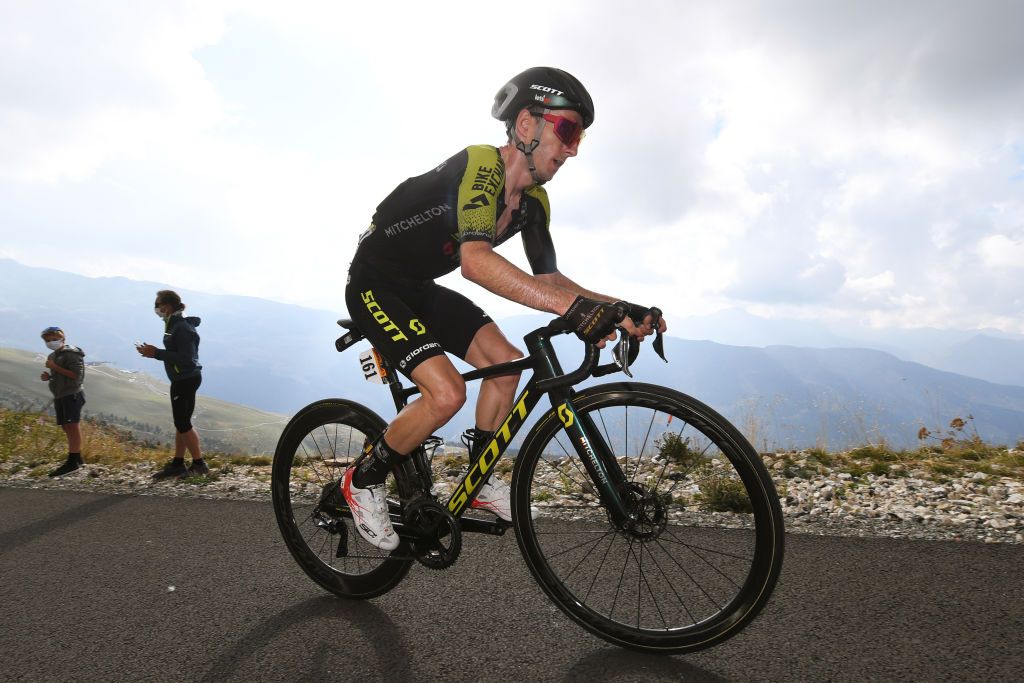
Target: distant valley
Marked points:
277	357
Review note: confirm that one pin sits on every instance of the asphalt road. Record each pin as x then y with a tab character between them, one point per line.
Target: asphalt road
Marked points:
85	595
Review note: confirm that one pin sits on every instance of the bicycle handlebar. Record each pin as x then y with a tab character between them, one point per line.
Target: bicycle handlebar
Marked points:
590	358
592	355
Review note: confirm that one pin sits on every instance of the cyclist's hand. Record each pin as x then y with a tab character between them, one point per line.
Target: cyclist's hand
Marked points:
643	321
594	321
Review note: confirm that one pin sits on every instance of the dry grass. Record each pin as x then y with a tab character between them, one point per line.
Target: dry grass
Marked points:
32	440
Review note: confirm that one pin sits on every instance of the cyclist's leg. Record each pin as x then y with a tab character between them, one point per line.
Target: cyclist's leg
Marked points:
490	347
395	322
442	394
465	330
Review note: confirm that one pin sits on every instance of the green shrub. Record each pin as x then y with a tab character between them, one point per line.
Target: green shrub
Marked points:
678	451
875	452
724	494
879	469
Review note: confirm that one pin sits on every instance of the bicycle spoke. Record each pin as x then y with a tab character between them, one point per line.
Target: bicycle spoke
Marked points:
316	524
690	544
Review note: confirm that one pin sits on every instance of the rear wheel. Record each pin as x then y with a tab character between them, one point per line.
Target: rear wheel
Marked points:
314	450
703	549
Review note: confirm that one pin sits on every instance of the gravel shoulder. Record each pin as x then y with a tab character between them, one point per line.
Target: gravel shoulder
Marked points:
970	507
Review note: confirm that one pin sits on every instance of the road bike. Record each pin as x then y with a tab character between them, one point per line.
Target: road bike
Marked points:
641	512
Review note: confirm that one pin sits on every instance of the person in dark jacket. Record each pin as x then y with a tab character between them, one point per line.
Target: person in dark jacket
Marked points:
65	373
181	362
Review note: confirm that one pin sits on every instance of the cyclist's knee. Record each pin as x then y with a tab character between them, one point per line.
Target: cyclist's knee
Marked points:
511	353
508	355
446	398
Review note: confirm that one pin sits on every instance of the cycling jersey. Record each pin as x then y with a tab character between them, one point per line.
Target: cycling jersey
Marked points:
417	230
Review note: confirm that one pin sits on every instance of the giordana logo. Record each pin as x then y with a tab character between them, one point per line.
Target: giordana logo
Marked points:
415	352
544	88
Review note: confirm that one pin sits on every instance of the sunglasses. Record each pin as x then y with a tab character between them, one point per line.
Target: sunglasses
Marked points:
568	131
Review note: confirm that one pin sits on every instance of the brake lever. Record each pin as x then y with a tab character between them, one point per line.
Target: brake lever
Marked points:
659	344
621	352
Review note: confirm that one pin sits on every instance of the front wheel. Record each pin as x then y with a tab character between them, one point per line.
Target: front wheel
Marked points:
314	450
702	550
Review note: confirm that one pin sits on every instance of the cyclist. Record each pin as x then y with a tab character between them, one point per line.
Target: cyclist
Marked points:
453	217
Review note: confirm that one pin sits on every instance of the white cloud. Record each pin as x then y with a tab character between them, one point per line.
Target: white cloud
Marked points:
85	83
1002	251
860	161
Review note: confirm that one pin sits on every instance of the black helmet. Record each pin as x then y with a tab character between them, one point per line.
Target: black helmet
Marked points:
543	86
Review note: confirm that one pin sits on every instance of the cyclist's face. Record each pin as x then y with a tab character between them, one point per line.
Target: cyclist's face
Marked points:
552	152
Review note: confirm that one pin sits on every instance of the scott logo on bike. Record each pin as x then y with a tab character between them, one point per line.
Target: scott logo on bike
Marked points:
565	415
489	455
381	317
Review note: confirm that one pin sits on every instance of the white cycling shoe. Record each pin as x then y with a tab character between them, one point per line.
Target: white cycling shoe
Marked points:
369	508
495	497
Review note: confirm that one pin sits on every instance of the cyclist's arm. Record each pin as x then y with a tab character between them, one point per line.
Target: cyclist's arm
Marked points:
559	280
492	271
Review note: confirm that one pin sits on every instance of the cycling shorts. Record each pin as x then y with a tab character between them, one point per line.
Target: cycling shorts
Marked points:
409	321
69	408
183	402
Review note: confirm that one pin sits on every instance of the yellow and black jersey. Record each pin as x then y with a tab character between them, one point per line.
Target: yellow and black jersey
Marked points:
417	230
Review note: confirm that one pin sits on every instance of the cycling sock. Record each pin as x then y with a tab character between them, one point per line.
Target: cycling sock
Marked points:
374	468
480	437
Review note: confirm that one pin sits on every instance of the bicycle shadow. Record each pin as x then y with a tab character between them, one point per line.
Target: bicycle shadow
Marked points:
381	640
10	540
613	663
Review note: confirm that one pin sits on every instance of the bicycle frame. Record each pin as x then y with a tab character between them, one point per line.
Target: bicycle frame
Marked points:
548	378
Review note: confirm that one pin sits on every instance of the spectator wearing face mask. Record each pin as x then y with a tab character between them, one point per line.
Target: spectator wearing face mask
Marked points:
181	362
65	373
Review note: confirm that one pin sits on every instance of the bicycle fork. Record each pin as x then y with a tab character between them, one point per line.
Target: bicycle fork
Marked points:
596	455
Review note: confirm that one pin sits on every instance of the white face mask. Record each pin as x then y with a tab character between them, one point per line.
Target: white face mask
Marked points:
55	344
159	314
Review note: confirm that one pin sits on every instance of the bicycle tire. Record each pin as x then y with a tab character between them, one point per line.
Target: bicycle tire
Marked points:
708	551
314	449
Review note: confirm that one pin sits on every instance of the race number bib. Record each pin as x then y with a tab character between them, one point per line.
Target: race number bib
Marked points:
373	368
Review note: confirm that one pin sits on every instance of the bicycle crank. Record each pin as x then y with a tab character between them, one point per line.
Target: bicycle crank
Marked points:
433	533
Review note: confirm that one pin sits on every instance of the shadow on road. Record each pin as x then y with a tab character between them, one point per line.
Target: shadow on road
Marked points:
618	664
377	628
10	540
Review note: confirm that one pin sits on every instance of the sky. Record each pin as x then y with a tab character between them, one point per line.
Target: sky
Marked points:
854	162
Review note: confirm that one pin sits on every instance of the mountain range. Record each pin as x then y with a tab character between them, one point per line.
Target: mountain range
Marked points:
807	385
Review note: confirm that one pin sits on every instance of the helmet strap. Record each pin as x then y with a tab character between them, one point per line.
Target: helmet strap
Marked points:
527	150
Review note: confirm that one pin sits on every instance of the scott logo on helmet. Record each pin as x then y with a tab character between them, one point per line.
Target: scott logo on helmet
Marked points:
544	88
